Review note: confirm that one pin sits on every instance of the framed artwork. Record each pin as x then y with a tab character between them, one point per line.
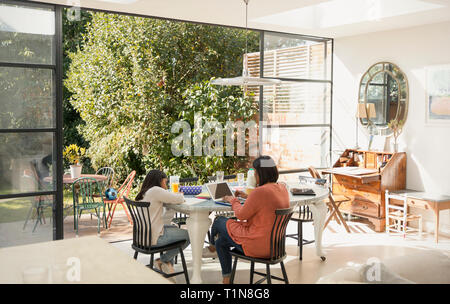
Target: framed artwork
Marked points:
438	95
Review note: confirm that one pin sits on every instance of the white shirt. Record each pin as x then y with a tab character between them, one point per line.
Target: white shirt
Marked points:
160	216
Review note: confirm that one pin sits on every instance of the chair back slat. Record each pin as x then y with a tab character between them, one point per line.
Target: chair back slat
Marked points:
278	234
125	188
314	172
188	180
142	231
88	189
108	172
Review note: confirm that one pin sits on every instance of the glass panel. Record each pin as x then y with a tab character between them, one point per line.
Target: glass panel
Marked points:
26	34
26	98
26	162
297	103
26	220
295	148
289	57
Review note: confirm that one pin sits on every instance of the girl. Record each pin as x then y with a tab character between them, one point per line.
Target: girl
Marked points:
154	190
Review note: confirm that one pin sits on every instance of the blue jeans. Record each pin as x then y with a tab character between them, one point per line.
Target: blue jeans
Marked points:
223	242
172	234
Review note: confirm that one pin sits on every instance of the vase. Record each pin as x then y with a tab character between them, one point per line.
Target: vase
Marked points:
75	171
395	147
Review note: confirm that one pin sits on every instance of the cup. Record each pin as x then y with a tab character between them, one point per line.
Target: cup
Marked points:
174	183
219	176
240	179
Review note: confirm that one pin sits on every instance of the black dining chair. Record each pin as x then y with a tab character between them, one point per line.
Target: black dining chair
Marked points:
302	215
142	235
277	250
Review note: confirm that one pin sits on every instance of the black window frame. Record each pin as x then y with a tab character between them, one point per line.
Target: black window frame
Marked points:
57	130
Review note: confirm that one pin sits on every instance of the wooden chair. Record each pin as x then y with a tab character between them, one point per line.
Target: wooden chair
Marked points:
303	215
277	250
124	190
333	204
400	217
87	189
142	235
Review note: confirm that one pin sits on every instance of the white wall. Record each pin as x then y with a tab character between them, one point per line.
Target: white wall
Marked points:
427	147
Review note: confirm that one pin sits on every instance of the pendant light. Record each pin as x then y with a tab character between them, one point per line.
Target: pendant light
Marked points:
245	79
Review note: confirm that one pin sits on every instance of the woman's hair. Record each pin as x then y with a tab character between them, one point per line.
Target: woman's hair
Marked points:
266	169
153	178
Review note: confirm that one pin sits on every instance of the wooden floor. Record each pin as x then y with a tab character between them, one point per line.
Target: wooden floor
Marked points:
340	247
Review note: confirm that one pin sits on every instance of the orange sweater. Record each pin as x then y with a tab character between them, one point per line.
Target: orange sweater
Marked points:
256	218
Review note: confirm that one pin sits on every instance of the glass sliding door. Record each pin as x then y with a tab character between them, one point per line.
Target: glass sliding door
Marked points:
29	129
295	115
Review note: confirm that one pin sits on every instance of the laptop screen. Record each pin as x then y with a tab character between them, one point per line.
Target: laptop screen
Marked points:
219	190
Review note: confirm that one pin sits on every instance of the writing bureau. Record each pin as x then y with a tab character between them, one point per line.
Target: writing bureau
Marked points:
364	177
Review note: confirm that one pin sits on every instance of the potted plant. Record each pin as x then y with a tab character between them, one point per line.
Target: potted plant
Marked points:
73	155
396	126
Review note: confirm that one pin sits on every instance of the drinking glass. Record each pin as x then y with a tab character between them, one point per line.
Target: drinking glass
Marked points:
219	176
240	178
175	183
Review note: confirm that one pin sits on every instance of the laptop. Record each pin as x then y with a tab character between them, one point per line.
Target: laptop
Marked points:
218	191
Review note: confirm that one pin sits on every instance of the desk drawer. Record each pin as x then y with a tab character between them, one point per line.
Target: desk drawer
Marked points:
361	208
418	203
358	192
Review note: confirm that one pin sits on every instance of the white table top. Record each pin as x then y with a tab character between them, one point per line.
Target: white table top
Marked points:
99	263
194	204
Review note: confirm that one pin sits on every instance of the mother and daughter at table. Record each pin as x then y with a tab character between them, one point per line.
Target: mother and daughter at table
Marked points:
250	233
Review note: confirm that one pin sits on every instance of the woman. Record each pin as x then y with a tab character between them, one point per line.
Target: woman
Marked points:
251	234
154	190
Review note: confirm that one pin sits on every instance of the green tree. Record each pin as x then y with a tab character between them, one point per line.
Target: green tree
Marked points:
134	77
73	33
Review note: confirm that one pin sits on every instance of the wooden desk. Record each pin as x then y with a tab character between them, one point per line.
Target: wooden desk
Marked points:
99	261
426	201
385	171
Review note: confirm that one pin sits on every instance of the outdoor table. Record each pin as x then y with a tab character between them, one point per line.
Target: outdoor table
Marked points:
198	222
61	262
67	179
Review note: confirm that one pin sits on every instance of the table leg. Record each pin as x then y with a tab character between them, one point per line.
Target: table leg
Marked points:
436	231
319	211
197	224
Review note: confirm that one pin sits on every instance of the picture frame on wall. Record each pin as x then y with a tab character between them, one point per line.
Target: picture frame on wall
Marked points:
437	102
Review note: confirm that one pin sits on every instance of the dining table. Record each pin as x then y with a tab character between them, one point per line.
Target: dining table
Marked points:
199	210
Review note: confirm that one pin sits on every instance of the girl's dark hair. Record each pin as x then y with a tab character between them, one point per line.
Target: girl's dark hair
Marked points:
266	169
153	178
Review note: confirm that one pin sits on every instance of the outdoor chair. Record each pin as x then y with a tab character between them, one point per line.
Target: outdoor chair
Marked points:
86	196
333	204
142	235
124	190
109	173
39	203
302	215
277	250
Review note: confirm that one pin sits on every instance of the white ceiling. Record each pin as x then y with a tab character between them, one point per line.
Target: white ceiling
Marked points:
325	18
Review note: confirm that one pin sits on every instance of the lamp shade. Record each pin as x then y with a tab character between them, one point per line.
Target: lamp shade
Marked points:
362	113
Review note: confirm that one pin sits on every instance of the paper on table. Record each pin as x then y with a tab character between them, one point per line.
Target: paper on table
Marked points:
353	170
193	201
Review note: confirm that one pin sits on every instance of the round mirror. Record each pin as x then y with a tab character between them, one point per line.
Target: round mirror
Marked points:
383	98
